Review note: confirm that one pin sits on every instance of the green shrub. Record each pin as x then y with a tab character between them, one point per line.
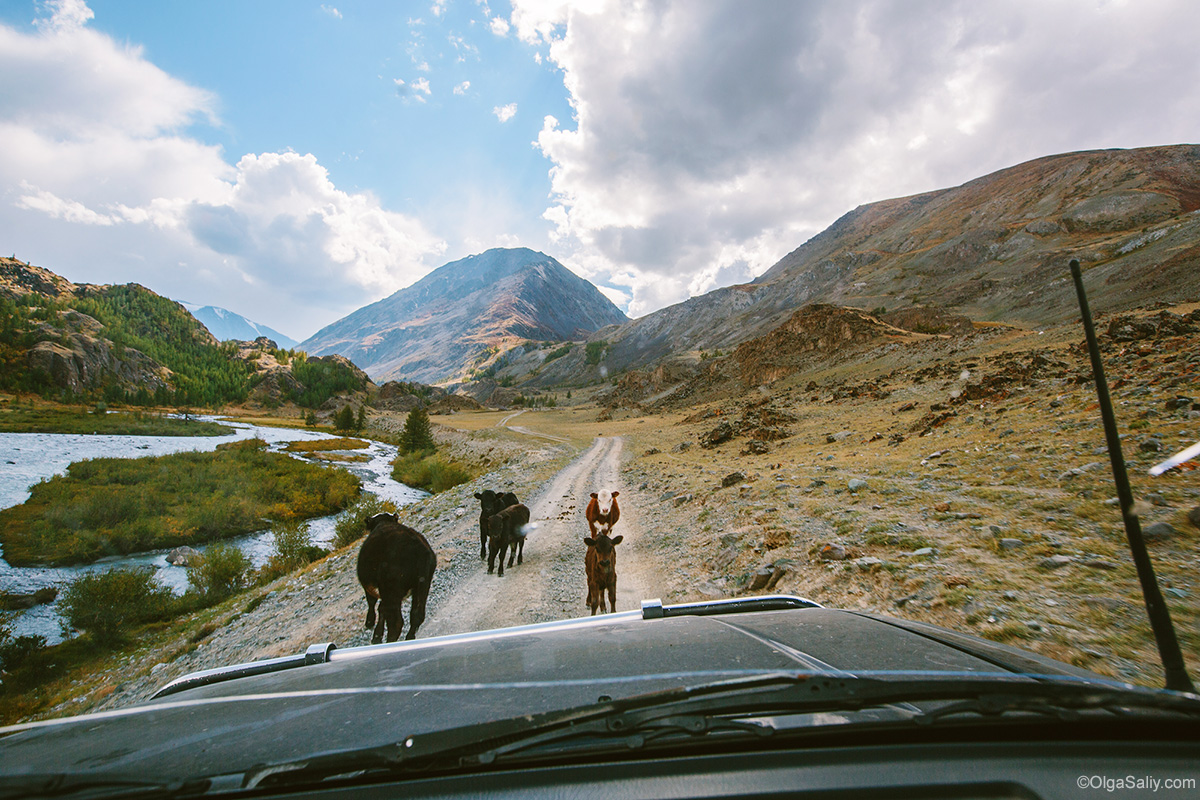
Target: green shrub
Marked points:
292	540
108	604
428	472
219	572
351	526
595	352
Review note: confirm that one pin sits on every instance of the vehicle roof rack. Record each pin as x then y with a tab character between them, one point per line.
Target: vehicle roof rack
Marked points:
654	609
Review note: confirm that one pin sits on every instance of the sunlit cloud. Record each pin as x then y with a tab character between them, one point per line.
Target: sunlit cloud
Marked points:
331	11
99	162
505	113
708	140
462	88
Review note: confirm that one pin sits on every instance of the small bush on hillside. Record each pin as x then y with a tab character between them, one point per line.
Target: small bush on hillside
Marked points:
219	572
107	604
292	540
351	526
293	549
15	649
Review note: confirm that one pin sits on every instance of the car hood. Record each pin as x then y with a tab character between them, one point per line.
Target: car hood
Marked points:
378	695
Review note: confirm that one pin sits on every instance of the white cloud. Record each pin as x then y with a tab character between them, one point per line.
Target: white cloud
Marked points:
711	139
65	16
414	90
499	26
331	11
438	8
462	88
100	180
505	113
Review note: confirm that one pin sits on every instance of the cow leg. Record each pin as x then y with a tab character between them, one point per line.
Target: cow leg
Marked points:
593	597
380	622
512	556
521	553
612	594
483	538
392	614
493	549
416	614
370	610
503	554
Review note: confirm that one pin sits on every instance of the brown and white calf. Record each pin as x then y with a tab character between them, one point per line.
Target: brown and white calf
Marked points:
600	564
602	512
394	561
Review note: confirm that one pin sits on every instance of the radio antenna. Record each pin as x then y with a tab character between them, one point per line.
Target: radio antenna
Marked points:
1156	607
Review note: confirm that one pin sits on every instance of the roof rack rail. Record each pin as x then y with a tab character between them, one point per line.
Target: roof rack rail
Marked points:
315	654
654	609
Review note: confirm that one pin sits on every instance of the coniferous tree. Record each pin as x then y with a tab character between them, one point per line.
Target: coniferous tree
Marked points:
344	421
418	433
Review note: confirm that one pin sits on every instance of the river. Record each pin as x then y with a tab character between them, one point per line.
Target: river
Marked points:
26	458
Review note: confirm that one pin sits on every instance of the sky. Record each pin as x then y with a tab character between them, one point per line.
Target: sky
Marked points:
293	161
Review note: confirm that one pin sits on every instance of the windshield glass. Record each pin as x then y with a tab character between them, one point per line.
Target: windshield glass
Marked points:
450	336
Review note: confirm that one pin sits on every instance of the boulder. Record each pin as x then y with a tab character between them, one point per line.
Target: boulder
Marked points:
718	435
182	556
1159	532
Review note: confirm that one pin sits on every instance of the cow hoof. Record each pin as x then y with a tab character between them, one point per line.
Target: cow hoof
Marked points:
376	640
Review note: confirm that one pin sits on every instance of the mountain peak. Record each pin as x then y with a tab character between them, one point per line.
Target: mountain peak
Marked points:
434	330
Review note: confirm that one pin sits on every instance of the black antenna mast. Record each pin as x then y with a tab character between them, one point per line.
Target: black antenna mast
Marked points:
1156	607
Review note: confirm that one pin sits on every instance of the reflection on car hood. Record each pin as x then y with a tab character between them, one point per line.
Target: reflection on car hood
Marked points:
373	696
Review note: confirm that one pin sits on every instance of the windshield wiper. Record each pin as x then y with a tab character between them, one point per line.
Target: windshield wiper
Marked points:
728	707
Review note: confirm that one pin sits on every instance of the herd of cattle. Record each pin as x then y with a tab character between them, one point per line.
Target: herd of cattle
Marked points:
396	561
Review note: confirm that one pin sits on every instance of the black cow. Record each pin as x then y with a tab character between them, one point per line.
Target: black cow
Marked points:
394	561
507	529
491	503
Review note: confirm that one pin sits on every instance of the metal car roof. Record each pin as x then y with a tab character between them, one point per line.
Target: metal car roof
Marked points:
377	695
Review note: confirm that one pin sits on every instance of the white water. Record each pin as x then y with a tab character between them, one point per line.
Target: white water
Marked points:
26	458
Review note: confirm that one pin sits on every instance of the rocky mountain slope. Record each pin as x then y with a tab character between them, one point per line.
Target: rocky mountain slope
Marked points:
73	342
452	319
995	248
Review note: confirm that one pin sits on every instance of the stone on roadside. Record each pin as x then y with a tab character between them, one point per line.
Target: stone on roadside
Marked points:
856	484
1056	562
1159	531
1194	516
732	479
833	551
1011	544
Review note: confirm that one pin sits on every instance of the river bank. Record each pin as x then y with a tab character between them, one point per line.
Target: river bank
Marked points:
33	457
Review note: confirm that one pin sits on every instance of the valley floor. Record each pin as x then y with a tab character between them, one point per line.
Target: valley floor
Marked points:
962	482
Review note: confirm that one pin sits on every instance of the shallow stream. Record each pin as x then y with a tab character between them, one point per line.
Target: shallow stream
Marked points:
26	458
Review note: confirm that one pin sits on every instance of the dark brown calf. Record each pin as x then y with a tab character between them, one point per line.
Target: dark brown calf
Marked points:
394	561
602	512
600	564
507	529
490	503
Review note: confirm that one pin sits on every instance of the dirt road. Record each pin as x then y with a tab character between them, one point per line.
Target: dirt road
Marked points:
550	583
